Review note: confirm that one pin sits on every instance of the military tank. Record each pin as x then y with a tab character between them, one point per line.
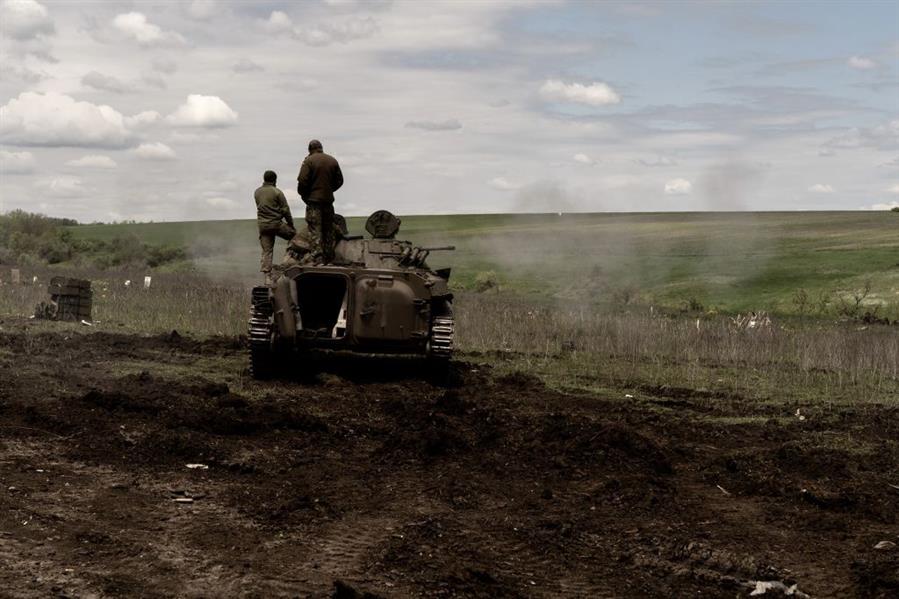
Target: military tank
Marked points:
378	296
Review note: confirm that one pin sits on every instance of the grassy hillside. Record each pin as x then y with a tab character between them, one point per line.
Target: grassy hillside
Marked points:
730	261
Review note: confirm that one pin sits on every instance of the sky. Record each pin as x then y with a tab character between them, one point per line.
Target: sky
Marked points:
167	111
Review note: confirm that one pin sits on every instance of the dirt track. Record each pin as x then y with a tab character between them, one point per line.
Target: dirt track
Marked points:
495	487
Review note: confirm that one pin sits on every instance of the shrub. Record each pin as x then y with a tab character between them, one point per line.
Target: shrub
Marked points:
693	305
484	281
164	254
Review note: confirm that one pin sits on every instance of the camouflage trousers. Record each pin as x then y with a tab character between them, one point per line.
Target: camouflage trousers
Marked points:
267	241
320	217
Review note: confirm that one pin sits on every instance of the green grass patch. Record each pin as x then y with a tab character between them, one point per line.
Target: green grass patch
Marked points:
732	262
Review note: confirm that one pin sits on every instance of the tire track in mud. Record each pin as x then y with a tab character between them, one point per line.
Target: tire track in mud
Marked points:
346	550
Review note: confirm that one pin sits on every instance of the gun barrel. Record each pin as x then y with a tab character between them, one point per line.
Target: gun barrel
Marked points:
439	249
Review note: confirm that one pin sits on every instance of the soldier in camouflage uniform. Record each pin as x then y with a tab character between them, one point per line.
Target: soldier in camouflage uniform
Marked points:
274	220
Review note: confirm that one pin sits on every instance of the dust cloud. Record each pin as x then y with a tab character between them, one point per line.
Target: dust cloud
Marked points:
626	255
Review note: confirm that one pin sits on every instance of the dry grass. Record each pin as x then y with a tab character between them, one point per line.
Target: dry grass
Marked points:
569	345
186	303
584	347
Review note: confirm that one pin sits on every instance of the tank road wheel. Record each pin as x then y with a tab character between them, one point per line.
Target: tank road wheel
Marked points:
263	362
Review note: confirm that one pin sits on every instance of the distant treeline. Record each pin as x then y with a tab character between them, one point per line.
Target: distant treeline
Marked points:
31	239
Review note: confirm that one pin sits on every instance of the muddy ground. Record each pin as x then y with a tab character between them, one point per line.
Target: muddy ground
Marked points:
369	480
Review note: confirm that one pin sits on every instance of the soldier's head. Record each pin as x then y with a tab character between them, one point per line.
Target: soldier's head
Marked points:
315	146
270	177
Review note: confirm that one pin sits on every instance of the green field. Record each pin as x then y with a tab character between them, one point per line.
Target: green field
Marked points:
726	261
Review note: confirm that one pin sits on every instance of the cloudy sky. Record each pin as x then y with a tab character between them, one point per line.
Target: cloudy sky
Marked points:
172	110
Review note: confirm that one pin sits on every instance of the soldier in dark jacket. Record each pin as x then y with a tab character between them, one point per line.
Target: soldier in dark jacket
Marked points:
274	220
319	178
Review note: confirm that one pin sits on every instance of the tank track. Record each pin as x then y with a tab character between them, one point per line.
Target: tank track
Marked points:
260	334
443	329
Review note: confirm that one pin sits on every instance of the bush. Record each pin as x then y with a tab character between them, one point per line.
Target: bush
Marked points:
894	209
485	281
692	304
164	254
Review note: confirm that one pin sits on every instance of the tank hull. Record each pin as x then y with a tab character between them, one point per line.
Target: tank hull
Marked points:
377	297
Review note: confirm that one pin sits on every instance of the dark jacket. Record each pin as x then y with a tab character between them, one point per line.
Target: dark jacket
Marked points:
271	207
319	178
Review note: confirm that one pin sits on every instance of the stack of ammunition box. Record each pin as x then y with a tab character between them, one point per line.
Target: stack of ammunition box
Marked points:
72	298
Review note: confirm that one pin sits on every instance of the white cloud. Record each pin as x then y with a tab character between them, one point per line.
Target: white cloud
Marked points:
821	188
355	28
245	65
18	163
887	206
594	94
583	159
106	83
142	119
502	184
155	151
52	119
447	125
893	189
861	62
322	34
220	202
278	22
24	19
63	187
202	10
659	161
678	187
203	111
135	26
93	161
880	136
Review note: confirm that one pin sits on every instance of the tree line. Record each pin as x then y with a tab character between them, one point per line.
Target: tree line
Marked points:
29	239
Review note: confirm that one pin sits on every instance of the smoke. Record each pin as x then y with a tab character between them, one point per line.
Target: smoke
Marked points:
545	196
226	251
738	250
730	186
589	256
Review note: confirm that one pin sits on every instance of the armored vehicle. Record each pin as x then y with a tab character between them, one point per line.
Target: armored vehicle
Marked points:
377	296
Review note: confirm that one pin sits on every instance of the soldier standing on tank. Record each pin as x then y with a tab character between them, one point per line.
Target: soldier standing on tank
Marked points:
274	220
319	178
